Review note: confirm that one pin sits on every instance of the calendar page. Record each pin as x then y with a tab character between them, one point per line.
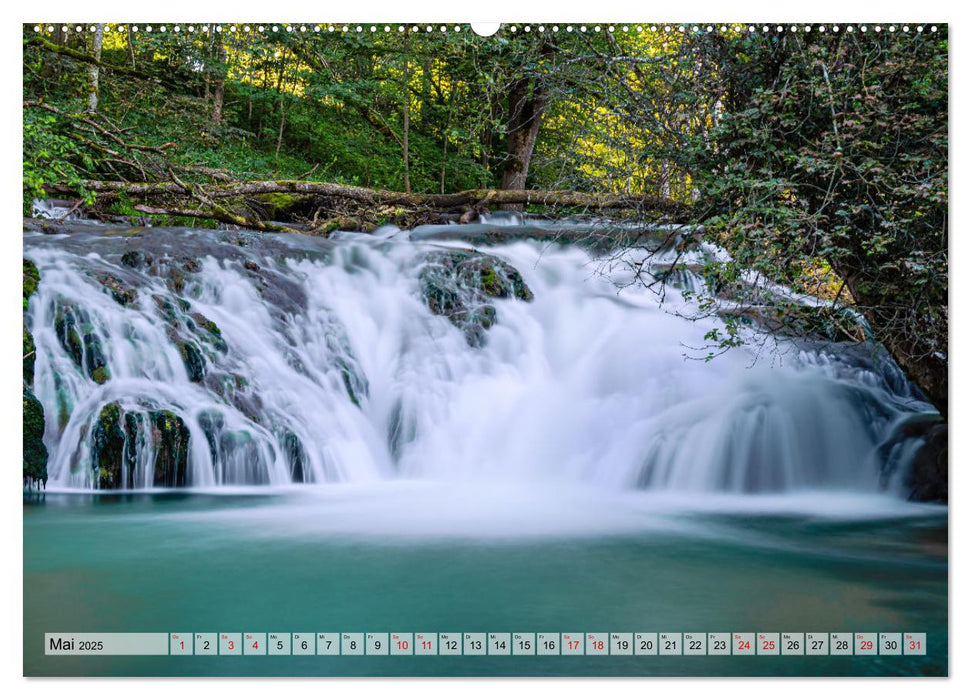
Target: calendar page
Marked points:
514	349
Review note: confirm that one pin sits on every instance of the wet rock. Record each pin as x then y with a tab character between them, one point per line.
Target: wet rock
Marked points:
31	279
108	453
171	439
190	333
170	311
29	356
209	330
928	476
354	383
192	358
118	435
119	291
235	451
77	336
917	447
460	284
295	455
234	389
175	270
190	264
35	453
136	259
276	289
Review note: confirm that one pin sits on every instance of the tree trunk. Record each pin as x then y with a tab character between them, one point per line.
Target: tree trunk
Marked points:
219	86
279	135
94	70
283	113
526	106
456	201
405	120
131	46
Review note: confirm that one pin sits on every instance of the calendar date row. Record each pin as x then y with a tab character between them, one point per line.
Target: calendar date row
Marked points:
489	644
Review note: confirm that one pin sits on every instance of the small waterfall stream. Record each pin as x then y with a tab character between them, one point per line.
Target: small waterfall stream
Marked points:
191	358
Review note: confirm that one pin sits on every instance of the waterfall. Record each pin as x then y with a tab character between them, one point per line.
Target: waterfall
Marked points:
172	357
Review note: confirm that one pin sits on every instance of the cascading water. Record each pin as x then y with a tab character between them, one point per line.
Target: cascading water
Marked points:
169	358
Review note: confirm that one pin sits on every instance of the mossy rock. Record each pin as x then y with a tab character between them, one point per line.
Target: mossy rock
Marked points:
181	324
189	264
209	331
30	354
295	455
171	438
136	259
31	279
175	270
116	439
77	336
108	447
460	284
176	280
192	358
119	291
35	452
166	308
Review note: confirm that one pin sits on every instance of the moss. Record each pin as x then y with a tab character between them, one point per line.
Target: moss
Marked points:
100	375
460	284
115	437
123	206
206	324
108	447
190	264
35	453
76	335
135	259
176	280
279	202
31	279
489	282
118	290
30	353
195	363
171	438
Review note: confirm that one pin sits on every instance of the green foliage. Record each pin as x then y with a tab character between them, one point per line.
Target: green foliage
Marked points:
830	163
50	157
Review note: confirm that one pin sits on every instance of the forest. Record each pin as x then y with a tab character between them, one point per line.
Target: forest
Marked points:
817	157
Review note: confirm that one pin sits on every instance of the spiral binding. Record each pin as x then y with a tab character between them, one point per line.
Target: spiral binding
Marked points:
507	29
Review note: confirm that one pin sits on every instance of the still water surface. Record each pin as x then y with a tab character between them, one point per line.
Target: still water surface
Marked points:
407	557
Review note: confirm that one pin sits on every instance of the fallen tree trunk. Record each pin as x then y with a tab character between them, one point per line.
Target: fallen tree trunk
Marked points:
362	196
227	218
